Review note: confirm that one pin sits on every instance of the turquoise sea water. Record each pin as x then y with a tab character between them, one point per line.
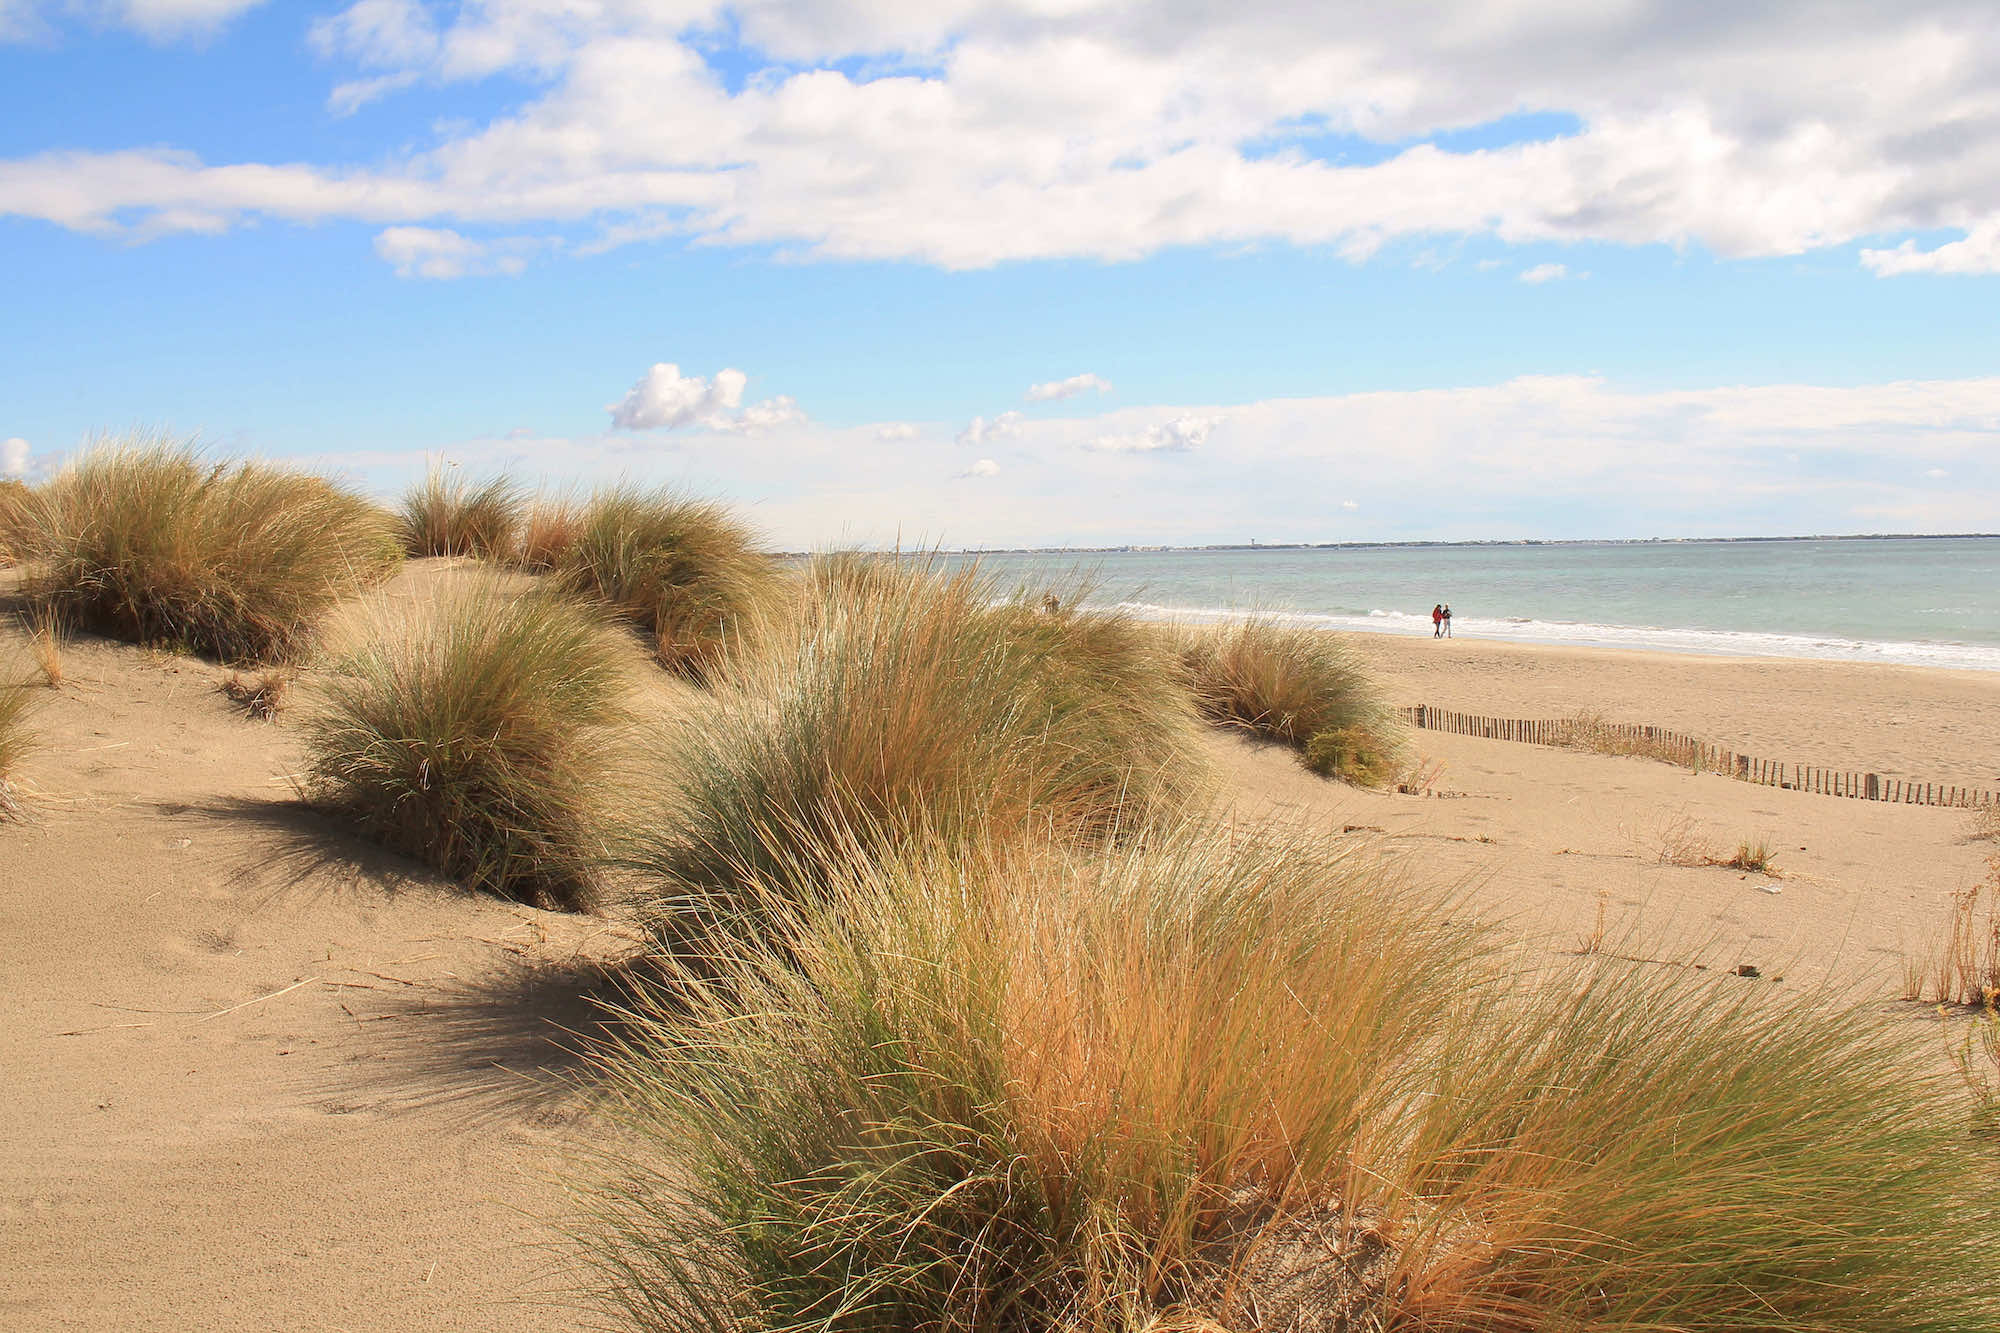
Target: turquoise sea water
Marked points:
1926	601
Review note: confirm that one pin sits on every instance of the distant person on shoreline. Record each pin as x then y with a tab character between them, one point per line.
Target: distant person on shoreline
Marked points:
1447	620
1437	621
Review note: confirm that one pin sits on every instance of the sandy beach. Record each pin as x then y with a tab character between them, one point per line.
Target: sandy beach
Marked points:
264	1075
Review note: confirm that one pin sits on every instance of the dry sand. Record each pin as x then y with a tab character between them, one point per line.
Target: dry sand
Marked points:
261	1075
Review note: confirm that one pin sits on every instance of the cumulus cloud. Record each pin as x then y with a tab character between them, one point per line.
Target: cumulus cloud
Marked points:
1069	388
971	133
1179	435
665	399
985	467
980	431
1978	252
896	430
1544	273
13	457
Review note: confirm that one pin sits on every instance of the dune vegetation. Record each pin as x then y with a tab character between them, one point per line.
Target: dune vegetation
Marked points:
447	513
15	740
1292	684
1209	1083
14	500
908	697
142	539
686	571
476	730
548	533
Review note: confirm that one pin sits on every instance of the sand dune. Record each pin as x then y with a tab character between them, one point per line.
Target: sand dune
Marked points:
263	1075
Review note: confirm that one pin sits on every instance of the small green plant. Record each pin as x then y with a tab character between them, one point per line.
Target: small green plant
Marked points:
478	731
448	514
1754	855
684	570
1350	754
141	539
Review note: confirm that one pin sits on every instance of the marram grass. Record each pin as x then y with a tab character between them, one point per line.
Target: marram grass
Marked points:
16	742
906	696
478	730
686	571
1284	682
1198	1083
142	539
447	513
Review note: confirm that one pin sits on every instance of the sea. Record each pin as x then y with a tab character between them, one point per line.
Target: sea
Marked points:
1922	601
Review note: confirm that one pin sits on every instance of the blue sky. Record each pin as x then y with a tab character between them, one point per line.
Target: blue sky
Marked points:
1470	274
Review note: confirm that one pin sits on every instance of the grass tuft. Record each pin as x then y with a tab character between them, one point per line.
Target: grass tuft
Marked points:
1350	754
141	539
909	696
1198	1084
260	695
1961	966
1753	855
1289	684
448	514
471	730
15	499
548	533
16	743
684	570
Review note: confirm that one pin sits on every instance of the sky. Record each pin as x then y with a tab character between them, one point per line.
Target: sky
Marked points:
1039	272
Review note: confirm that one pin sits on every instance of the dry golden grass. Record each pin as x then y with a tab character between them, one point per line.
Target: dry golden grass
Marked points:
686	571
1960	965
15	497
143	540
548	533
448	514
1984	823
15	740
260	694
47	631
1227	1083
1592	731
479	730
1290	684
907	695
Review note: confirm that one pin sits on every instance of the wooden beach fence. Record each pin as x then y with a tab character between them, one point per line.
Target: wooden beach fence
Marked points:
1700	755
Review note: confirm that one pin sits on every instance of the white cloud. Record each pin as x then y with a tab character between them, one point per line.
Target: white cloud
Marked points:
159	20
1544	273
1979	252
425	252
665	399
988	130
1068	388
897	430
1349	505
980	431
1936	473
13	457
1547	456
1179	435
985	467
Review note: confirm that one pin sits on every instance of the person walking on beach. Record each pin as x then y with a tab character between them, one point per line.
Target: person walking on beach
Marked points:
1447	620
1437	621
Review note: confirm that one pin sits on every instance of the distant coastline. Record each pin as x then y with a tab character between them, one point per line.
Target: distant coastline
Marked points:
1484	542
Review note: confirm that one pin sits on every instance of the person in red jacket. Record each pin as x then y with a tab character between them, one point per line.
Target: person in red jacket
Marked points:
1437	621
